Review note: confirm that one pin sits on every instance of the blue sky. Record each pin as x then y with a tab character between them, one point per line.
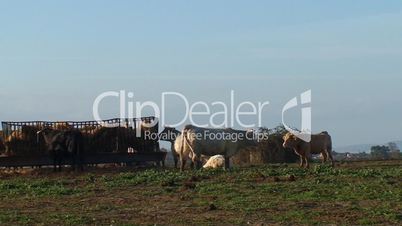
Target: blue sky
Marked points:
57	56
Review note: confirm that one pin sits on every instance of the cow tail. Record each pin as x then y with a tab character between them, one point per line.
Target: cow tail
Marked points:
182	143
185	139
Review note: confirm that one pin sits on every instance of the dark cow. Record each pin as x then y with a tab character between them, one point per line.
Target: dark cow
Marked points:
62	145
170	134
197	141
2	146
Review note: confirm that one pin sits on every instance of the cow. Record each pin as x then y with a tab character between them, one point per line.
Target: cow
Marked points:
63	144
216	161
170	134
148	130
181	153
199	141
2	147
185	154
320	144
23	142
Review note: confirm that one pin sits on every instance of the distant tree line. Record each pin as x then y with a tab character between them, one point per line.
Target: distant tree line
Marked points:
390	151
268	150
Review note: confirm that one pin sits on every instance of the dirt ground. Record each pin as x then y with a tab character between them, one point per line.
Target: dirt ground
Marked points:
352	193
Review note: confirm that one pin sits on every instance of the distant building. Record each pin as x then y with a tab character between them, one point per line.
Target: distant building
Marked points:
350	156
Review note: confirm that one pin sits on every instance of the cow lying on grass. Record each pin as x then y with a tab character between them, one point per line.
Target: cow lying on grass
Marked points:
320	144
63	144
215	162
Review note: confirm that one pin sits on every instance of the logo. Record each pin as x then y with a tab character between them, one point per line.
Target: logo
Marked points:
232	113
305	99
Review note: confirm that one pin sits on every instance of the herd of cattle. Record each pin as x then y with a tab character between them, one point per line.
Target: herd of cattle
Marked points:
61	141
187	145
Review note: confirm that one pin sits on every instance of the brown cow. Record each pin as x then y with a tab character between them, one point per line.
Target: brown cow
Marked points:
63	144
2	146
320	144
24	142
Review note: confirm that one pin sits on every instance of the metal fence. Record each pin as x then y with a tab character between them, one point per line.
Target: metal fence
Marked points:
106	136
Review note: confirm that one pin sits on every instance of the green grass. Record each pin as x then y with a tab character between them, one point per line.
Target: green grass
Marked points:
362	194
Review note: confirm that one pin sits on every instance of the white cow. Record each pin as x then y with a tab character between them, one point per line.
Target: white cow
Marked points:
216	161
183	154
197	141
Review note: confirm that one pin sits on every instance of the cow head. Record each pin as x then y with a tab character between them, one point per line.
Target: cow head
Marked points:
169	134
46	133
290	140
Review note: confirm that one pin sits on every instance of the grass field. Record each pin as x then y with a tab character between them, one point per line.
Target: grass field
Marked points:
350	194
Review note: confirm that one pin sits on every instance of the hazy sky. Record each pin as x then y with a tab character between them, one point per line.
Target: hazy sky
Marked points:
57	56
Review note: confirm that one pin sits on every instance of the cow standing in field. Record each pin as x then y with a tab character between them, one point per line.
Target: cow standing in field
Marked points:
320	144
185	154
63	144
197	141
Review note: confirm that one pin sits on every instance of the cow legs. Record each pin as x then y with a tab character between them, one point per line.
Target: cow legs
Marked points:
227	162
306	160
182	162
301	161
73	165
329	154
77	163
324	156
57	160
54	164
197	161
174	154
175	159
80	163
59	163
